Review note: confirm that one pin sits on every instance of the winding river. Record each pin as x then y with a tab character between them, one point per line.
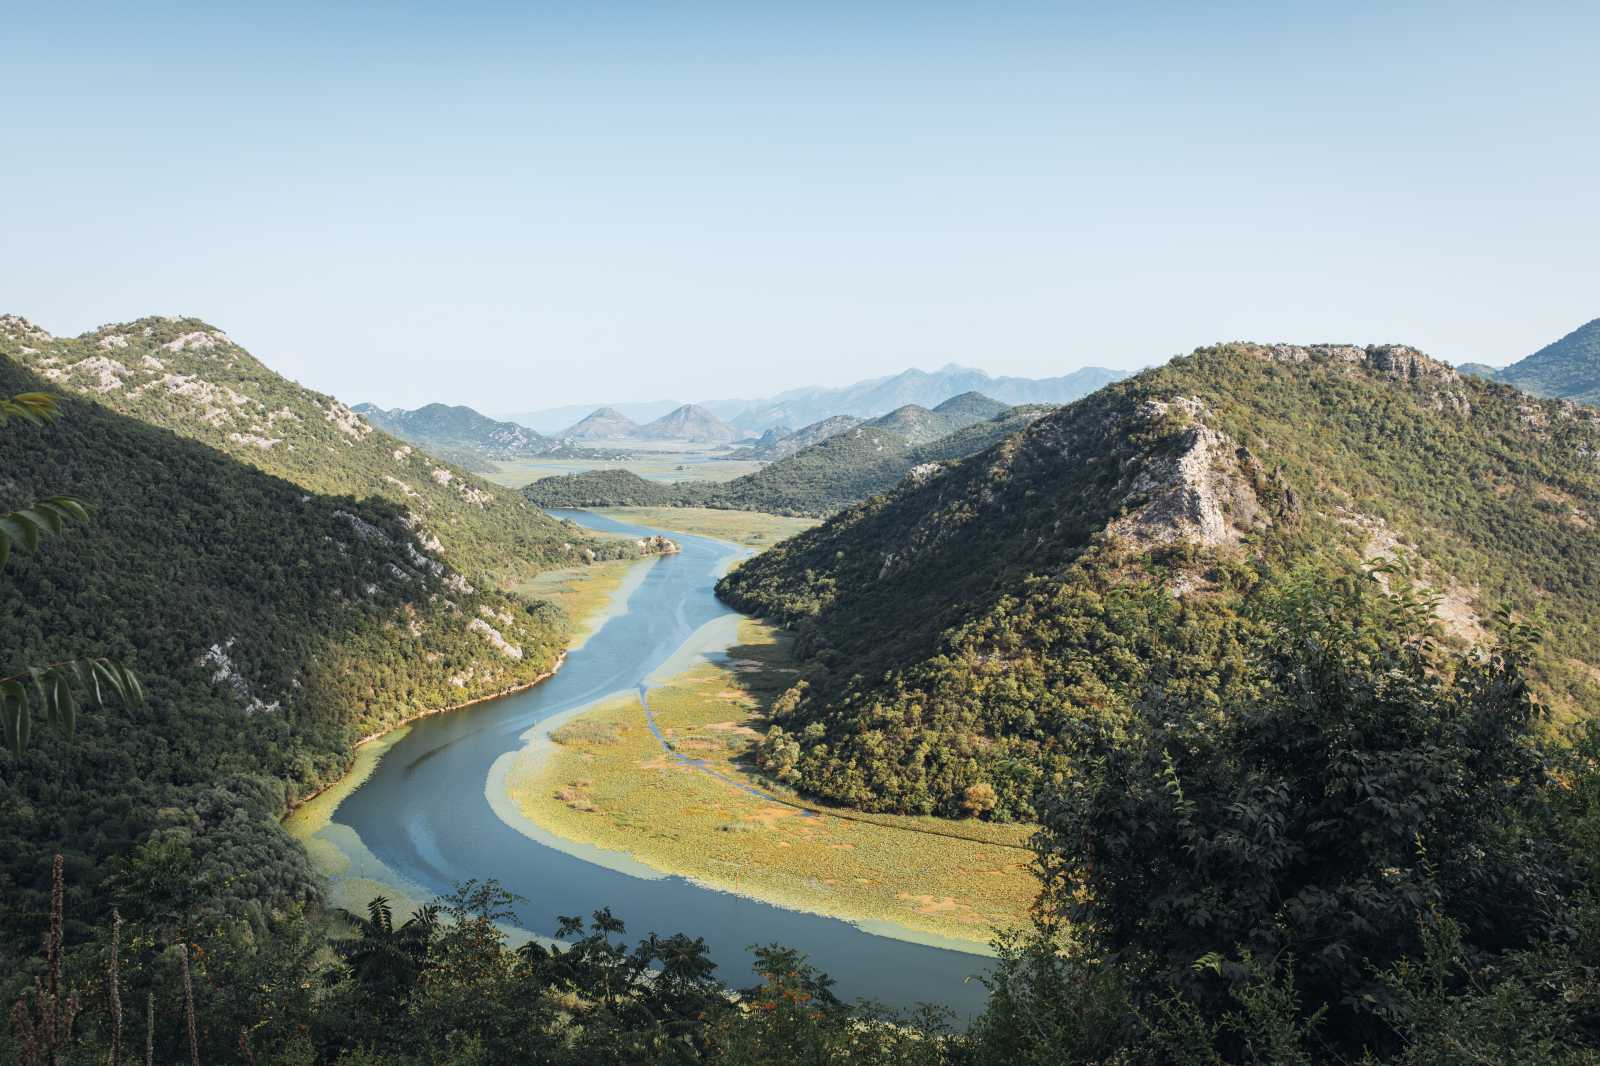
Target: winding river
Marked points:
434	811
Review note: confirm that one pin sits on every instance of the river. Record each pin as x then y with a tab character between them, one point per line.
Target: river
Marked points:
432	811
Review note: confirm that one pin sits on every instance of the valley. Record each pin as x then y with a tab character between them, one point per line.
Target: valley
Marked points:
797	534
610	778
437	807
965	608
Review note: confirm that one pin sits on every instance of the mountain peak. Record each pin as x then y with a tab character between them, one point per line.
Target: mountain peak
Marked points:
967	599
603	423
691	422
1568	368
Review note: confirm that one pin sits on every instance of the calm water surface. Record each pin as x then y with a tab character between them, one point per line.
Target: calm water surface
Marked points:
425	815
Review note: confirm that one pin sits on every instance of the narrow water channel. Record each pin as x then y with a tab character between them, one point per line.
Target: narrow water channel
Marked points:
424	818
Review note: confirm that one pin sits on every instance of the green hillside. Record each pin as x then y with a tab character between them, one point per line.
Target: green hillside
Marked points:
963	629
272	627
1568	368
819	479
615	488
186	376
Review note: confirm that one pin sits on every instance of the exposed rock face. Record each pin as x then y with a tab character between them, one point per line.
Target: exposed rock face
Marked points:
492	635
1198	494
22	329
1406	363
224	672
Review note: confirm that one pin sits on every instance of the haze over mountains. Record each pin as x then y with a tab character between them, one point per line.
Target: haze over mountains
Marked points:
879	396
864	399
689	422
464	436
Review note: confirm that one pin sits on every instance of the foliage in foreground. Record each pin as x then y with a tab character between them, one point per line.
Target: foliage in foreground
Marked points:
1379	859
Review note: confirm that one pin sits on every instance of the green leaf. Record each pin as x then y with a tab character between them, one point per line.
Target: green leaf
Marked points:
47	521
18	531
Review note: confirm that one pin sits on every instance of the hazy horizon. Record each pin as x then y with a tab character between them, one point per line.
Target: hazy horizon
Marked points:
521	207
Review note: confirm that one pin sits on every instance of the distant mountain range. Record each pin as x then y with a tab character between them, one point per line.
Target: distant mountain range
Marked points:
865	399
689	422
473	440
554	421
1567	369
879	396
913	423
833	464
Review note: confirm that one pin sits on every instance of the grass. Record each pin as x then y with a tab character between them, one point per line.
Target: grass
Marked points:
607	782
753	529
653	461
583	592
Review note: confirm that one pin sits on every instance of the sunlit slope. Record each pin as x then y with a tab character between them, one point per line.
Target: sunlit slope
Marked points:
184	375
957	627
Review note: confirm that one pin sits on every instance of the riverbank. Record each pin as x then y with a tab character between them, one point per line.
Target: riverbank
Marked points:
602	779
590	595
748	529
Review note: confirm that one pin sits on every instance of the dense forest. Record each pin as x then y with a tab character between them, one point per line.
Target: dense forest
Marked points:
189	377
273	628
819	479
964	631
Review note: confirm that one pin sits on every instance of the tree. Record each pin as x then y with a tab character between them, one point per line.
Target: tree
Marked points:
384	958
1378	784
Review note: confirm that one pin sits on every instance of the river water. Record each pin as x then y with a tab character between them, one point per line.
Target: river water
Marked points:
432	812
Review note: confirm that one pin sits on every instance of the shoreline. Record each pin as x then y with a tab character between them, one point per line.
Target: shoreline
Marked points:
529	760
538	750
355	749
582	631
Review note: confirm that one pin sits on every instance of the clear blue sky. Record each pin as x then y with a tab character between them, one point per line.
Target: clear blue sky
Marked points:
519	205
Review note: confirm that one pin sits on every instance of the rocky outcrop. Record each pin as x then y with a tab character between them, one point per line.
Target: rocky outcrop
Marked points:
1196	491
492	635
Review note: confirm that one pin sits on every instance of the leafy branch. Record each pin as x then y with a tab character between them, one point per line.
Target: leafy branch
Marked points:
28	526
56	691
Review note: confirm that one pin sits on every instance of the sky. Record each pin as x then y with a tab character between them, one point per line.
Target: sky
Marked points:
522	205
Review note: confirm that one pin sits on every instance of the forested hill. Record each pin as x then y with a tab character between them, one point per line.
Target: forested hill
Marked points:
272	627
819	479
960	629
1568	368
186	376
